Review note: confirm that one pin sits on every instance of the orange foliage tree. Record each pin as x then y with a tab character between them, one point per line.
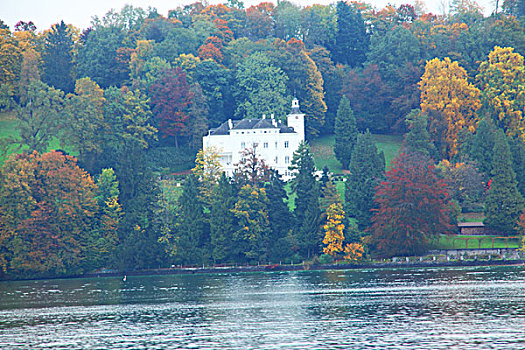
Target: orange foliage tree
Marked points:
48	211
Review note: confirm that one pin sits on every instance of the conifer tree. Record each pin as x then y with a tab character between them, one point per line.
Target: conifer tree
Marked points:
189	246
279	216
418	138
366	169
481	149
57	58
223	223
504	203
345	132
307	212
351	39
517	149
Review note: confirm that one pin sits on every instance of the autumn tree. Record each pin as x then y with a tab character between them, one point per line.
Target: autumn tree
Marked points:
251	169
345	133
504	203
251	211
172	98
450	100
10	60
412	209
53	223
260	21
334	230
502	82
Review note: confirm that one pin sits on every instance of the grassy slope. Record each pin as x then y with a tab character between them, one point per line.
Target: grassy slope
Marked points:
323	150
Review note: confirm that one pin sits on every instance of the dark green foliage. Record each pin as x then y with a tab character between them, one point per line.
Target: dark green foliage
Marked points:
345	133
351	38
192	231
280	219
504	203
97	58
57	59
517	149
482	146
223	223
139	230
418	139
366	170
307	212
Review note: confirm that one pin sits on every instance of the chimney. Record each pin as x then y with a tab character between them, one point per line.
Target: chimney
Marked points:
272	115
230	124
264	116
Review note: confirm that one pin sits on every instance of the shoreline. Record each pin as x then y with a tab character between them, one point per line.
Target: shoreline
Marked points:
282	268
305	267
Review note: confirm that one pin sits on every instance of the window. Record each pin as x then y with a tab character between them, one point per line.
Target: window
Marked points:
265	145
276	160
276	143
285	144
243	145
286	160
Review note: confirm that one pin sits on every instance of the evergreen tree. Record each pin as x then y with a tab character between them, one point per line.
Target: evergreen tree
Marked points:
517	149
366	169
223	223
57	59
418	139
307	212
481	149
345	132
280	218
351	38
191	243
504	203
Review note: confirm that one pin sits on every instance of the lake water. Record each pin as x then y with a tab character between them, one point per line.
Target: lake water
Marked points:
442	308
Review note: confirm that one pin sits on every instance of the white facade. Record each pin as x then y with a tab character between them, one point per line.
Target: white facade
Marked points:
273	141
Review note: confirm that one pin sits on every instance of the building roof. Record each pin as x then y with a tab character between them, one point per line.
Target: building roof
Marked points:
250	124
471	224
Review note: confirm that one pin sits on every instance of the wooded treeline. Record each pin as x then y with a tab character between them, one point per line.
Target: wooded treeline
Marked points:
138	85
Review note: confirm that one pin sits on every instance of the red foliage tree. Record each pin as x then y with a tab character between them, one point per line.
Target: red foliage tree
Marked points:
413	208
172	99
260	20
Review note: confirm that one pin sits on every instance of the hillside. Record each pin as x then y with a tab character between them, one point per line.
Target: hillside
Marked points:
323	150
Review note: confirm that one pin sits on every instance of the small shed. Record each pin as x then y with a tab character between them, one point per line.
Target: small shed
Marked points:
473	228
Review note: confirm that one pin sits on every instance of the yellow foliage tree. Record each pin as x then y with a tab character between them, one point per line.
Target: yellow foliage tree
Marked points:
208	170
334	227
502	80
354	251
450	101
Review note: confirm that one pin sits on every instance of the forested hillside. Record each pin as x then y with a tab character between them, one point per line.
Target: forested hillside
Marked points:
125	103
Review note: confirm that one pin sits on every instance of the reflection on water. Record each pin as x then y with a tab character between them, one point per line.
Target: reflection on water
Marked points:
464	308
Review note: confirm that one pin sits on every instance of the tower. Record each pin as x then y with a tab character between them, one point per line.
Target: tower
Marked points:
296	118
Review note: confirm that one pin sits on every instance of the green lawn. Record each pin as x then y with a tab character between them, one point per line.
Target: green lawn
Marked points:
8	127
475	242
323	150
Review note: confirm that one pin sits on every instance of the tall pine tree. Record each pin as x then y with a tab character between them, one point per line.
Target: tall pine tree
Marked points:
57	58
504	203
223	223
345	132
351	38
307	212
418	138
366	169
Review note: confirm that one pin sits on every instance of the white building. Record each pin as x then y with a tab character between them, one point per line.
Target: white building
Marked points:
273	141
